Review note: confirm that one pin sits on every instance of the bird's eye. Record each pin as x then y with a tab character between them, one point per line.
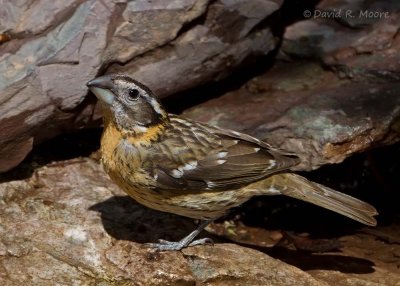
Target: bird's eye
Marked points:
133	94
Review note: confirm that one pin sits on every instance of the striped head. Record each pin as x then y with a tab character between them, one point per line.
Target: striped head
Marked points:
129	104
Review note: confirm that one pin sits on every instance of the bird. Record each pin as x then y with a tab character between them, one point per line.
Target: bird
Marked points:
176	165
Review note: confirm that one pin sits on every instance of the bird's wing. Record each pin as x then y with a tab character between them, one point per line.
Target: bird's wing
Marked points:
197	156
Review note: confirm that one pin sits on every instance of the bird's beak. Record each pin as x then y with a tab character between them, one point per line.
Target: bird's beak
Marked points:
102	87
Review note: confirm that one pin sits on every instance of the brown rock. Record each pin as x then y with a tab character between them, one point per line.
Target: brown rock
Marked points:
66	226
304	109
375	55
228	34
50	50
358	39
234	265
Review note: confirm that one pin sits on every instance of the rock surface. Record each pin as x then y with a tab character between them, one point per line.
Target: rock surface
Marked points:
49	50
69	225
359	39
45	63
302	108
325	112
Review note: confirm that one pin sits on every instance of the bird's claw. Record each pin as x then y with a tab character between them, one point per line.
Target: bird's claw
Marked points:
165	245
202	241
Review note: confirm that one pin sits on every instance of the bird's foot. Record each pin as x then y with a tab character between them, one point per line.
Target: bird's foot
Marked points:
165	245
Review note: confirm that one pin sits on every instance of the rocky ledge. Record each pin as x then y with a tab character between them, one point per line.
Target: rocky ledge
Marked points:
68	224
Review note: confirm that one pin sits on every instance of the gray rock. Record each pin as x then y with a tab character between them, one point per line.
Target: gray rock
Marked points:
359	39
49	50
207	51
43	80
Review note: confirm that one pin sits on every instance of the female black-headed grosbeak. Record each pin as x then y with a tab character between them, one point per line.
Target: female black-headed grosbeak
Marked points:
176	165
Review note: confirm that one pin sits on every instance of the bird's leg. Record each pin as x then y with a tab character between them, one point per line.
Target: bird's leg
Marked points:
164	245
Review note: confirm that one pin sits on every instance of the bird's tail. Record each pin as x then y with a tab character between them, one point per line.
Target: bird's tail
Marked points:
295	186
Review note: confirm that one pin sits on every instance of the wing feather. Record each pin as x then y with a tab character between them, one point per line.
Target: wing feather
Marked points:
204	157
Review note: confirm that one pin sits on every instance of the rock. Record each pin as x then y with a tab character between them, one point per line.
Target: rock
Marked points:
230	32
302	108
381	277
357	39
50	50
350	111
372	57
222	264
42	77
68	224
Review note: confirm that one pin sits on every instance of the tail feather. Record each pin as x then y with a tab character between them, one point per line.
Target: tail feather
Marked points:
295	186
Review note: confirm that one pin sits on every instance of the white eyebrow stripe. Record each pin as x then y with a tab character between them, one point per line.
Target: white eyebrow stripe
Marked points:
151	100
124	84
156	106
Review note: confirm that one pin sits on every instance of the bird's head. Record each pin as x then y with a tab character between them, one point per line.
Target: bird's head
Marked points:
129	104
